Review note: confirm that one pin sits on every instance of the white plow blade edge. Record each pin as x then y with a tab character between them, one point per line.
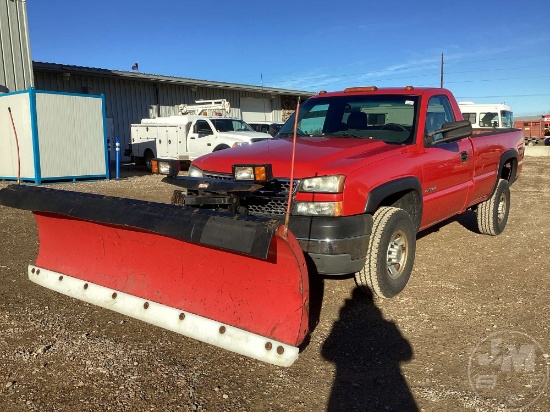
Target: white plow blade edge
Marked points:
184	323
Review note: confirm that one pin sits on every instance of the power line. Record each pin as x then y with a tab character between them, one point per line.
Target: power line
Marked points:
413	66
508	95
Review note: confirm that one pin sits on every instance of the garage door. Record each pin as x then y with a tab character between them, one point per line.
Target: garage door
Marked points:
256	110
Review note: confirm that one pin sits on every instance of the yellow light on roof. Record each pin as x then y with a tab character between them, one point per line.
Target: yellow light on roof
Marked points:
361	89
409	88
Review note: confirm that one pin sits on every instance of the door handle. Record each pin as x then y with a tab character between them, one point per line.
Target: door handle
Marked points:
464	156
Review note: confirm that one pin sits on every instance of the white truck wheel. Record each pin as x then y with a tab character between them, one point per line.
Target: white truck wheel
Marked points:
390	256
492	215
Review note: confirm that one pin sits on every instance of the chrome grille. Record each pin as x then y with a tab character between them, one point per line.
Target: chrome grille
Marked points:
270	200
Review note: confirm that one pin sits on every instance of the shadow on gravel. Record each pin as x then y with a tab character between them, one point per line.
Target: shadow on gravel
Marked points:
316	293
467	220
132	169
128	170
367	351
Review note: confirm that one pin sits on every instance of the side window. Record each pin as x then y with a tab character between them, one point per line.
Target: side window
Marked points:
471	117
439	112
488	119
203	127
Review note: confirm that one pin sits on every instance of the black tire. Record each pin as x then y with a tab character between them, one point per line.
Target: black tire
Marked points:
147	158
492	214
390	256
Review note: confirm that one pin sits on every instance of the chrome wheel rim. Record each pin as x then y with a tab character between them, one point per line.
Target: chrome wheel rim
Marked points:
397	254
502	206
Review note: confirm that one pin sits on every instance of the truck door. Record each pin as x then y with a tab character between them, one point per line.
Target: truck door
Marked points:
162	141
201	138
167	142
447	170
174	148
143	138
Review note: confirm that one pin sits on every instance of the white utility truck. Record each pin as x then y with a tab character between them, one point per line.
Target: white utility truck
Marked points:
198	129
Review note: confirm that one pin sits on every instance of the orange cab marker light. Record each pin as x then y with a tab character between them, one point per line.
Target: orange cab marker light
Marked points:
409	88
361	89
322	92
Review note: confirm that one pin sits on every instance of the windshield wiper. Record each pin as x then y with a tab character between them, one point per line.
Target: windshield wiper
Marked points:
292	134
346	134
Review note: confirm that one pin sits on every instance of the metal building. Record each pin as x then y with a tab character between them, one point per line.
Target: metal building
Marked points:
15	56
132	96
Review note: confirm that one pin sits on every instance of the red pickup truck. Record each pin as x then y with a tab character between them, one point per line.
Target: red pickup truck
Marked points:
372	167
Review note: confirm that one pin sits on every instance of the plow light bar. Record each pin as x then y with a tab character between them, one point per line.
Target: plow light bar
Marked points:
252	173
165	167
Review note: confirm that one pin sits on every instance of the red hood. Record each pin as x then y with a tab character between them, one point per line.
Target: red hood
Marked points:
314	156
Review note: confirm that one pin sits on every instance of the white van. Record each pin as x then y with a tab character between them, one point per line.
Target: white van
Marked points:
487	116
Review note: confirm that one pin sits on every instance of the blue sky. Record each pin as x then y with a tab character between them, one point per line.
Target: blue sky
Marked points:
494	51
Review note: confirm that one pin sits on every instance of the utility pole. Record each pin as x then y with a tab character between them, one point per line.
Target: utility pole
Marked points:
441	83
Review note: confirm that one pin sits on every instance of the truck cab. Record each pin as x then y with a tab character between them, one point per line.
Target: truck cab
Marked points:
357	173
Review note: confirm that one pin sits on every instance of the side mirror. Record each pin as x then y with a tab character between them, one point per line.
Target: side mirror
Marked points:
452	131
195	129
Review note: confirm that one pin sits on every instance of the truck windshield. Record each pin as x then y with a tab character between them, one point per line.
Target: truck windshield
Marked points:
231	125
390	118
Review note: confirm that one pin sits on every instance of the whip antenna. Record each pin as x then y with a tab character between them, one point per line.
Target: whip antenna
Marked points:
291	188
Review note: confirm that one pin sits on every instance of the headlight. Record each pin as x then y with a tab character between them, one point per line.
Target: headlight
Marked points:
236	144
322	184
194	171
253	173
317	208
165	167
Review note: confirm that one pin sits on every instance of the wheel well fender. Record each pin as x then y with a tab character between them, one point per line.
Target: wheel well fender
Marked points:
221	146
405	193
507	168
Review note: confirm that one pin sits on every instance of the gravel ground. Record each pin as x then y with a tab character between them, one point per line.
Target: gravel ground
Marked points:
468	297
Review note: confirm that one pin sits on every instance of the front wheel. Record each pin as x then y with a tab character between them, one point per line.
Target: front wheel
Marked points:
492	215
390	256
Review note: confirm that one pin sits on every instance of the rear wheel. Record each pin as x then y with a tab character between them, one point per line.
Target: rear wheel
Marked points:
390	256
492	215
148	157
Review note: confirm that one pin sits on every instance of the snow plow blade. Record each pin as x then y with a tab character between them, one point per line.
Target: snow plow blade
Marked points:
236	283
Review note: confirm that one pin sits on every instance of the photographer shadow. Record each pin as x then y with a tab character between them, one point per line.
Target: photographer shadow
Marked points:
367	351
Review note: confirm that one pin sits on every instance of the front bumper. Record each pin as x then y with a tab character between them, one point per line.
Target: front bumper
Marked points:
335	245
332	245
